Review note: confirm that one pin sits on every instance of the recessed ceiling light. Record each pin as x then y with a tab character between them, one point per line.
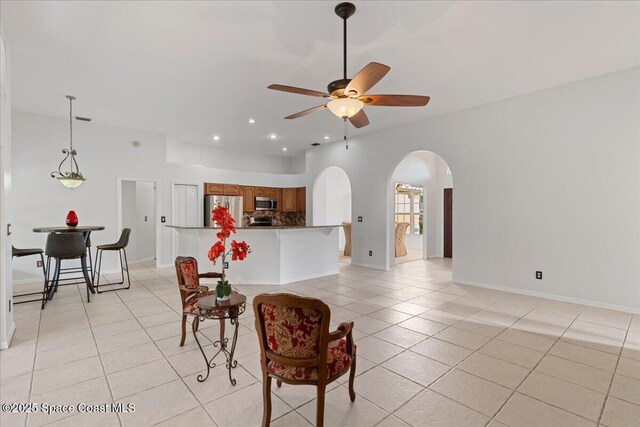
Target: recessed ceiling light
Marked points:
216	138
326	137
284	148
273	136
251	121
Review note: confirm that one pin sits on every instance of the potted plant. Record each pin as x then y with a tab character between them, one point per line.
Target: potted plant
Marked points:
238	251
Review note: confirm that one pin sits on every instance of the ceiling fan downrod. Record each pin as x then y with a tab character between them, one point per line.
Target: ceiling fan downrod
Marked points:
344	11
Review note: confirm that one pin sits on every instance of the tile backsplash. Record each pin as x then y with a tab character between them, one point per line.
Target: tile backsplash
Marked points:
278	218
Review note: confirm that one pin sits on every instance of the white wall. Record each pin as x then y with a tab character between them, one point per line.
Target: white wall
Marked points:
428	170
179	151
105	154
332	199
546	181
7	325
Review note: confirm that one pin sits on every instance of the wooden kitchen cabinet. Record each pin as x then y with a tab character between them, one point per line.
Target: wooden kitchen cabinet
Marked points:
301	199
271	192
259	191
231	190
213	188
248	198
288	199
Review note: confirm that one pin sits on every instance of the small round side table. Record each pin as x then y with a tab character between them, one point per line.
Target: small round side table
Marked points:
210	308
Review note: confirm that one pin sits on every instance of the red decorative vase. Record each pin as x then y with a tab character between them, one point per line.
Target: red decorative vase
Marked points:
72	219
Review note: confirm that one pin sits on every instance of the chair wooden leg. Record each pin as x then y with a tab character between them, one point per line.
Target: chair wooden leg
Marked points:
266	400
320	409
184	329
352	375
279	383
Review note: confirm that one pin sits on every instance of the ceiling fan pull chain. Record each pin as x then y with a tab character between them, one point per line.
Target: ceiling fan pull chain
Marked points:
346	133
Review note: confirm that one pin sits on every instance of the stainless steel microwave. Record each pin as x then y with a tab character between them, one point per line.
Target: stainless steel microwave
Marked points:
266	204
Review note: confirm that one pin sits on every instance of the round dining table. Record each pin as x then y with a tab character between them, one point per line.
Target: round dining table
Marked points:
86	233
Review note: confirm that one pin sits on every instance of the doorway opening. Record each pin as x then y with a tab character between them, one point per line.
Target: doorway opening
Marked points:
420	218
332	206
138	207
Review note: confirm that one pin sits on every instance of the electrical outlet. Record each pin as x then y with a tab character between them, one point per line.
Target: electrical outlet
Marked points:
370	253
359	219
539	275
39	264
163	219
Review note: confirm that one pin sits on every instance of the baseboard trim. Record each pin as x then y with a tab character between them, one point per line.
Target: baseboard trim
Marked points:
555	297
374	267
5	344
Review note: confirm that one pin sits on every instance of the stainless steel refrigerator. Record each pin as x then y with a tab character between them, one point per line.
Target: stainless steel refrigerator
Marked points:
232	203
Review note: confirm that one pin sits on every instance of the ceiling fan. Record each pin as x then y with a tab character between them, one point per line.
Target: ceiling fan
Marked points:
348	96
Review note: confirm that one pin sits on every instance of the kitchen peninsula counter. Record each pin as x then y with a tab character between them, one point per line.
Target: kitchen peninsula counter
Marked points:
279	254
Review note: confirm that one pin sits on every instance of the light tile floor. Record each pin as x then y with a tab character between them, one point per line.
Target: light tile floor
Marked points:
430	353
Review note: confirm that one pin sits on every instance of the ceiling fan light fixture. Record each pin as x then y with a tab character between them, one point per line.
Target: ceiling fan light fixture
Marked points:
345	107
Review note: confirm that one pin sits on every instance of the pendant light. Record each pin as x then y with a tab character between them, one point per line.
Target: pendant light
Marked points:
73	178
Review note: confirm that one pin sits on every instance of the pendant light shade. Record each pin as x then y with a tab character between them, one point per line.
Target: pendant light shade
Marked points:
345	107
73	178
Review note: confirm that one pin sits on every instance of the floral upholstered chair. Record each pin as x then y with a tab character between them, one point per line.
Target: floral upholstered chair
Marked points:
297	348
190	289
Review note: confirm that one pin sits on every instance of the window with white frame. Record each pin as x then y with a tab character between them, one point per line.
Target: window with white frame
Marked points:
409	206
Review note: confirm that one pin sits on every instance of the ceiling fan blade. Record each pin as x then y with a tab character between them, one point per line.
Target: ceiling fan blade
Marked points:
305	112
360	119
367	78
298	90
395	100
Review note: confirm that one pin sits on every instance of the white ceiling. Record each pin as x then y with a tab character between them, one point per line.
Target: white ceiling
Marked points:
195	69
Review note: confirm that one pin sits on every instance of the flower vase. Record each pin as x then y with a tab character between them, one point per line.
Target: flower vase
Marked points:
223	290
72	219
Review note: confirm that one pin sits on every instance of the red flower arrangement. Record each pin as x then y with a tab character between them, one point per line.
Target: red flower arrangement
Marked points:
238	251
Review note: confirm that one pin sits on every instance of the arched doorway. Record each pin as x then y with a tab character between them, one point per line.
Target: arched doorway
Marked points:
420	190
332	204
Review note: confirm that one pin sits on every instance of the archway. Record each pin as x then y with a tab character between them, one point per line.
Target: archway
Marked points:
418	187
332	204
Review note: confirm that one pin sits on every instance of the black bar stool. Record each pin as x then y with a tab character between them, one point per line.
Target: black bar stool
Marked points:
119	246
66	246
19	253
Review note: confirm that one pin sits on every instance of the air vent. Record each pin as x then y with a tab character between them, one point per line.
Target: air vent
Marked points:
84	119
315	144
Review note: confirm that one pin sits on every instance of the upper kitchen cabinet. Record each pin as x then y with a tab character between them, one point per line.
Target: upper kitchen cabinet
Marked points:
260	191
212	188
231	190
271	192
301	199
248	198
288	200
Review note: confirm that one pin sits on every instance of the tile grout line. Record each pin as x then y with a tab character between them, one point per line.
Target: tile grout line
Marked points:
33	371
95	341
515	390
606	397
165	358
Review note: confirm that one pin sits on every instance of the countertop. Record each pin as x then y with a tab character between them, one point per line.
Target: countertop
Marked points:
273	227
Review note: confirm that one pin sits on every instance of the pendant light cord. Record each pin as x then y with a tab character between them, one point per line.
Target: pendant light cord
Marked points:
71	133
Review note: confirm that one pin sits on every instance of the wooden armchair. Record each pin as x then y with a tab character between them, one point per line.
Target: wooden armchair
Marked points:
190	289
297	348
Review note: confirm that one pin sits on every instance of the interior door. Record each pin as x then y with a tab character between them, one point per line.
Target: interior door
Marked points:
448	223
185	205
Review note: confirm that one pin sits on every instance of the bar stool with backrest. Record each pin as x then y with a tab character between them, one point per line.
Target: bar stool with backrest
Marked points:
19	253
67	246
119	246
